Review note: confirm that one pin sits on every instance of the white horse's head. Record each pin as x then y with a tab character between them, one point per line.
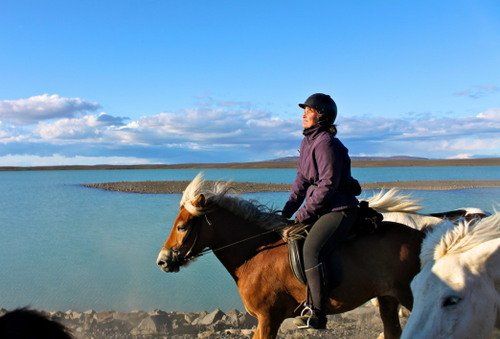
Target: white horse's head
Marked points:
457	292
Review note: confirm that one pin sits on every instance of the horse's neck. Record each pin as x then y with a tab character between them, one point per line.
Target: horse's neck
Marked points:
236	241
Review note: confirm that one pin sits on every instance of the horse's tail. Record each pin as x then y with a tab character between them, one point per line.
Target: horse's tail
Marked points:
393	201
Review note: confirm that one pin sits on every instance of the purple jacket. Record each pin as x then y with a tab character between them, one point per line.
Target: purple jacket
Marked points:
323	174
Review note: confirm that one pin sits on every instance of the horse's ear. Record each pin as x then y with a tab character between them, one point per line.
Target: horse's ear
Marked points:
199	201
486	258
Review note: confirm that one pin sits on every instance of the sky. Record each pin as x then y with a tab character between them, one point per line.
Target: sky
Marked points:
138	82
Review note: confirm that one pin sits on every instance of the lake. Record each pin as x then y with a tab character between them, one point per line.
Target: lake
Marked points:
63	246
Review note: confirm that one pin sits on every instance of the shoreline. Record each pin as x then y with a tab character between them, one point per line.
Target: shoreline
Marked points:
269	165
362	322
175	187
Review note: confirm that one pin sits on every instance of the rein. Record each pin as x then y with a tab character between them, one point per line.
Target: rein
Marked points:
208	250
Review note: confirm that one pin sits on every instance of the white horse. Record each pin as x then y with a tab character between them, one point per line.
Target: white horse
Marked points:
457	292
403	209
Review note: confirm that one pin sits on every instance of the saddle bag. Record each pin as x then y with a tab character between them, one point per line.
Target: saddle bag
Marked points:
369	220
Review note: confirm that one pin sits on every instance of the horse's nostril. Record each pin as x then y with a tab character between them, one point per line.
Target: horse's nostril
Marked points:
160	263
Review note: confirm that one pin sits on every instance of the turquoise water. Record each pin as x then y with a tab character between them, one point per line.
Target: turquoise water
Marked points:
63	246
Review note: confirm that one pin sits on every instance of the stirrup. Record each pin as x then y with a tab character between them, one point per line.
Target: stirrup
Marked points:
306	309
307	312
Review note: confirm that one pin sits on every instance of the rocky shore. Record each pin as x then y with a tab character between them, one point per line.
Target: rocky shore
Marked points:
363	322
170	187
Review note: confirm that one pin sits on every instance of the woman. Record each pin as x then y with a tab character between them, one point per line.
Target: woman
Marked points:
324	181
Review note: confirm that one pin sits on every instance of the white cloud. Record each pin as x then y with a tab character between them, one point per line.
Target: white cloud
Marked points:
238	132
43	107
60	160
201	128
86	128
423	128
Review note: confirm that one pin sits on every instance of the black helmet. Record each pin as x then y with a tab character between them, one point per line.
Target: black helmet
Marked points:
322	103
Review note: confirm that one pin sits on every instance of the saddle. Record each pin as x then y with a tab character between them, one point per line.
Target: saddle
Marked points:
368	221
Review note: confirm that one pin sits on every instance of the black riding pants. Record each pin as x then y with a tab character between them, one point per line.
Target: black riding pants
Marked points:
325	234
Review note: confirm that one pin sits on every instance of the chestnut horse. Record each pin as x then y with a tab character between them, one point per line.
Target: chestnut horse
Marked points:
242	235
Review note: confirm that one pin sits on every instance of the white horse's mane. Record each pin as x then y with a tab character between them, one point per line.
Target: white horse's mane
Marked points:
393	201
249	210
448	238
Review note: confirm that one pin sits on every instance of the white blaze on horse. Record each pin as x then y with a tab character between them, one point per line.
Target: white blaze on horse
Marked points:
457	292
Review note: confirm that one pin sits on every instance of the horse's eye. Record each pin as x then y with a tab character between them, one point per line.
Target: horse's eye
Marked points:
451	301
182	228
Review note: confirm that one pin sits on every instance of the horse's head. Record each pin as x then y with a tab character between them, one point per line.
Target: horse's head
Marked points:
186	239
456	292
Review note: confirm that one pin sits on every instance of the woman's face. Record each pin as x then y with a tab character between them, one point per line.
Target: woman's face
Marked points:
310	117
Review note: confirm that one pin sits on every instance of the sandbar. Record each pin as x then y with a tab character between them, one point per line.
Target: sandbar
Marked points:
173	187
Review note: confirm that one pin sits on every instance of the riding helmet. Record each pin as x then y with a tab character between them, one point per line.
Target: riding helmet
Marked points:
322	103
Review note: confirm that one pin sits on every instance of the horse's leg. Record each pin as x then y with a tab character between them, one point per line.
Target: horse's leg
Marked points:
405	297
388	307
267	327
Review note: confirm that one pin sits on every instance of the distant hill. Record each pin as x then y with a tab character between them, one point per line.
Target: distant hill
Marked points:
287	162
396	157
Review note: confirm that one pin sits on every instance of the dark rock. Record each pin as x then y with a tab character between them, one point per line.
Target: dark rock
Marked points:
247	321
157	312
181	327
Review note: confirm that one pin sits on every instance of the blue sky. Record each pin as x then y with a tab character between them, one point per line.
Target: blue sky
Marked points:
166	82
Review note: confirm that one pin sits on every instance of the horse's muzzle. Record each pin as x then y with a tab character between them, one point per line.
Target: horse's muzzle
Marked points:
168	261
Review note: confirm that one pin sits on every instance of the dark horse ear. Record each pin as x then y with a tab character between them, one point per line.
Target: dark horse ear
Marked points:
199	201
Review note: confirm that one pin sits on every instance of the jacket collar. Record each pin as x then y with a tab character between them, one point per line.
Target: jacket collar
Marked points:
312	132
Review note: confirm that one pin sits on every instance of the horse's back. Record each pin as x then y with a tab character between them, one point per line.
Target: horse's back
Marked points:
380	263
392	246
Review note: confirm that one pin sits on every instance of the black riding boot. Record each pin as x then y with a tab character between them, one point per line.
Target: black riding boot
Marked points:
313	315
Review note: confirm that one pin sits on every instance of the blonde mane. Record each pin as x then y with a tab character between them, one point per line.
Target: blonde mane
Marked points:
447	238
250	210
393	201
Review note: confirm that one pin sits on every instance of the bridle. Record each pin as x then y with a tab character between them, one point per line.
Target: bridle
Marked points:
188	255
